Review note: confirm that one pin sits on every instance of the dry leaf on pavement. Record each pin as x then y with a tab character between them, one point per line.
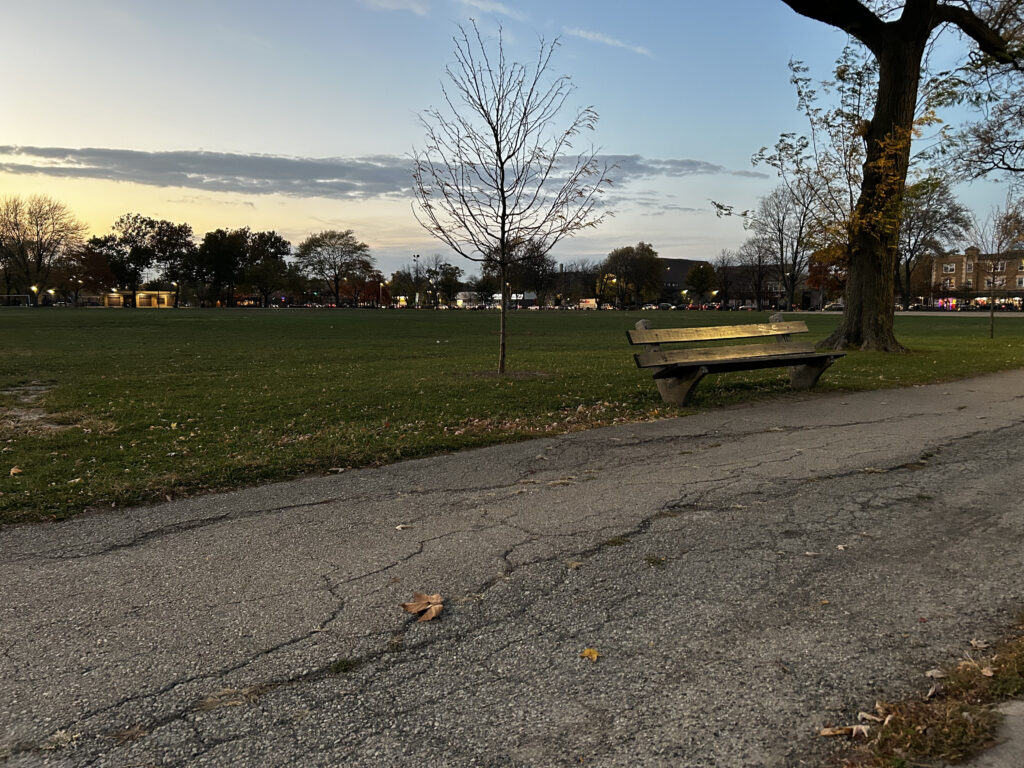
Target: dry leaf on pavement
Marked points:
428	605
845	730
590	653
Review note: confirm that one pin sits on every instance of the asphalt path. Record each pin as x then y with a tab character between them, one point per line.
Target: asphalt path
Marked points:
747	575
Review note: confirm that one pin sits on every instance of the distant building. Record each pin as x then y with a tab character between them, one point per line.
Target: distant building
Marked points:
675	274
153	299
972	279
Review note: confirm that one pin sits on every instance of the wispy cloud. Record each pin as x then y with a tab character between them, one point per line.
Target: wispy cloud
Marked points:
630	167
419	7
492	6
600	37
350	178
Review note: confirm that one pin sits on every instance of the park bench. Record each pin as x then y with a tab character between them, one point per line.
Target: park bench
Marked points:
677	371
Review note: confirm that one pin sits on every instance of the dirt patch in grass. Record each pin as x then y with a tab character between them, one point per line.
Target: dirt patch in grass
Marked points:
21	415
27	393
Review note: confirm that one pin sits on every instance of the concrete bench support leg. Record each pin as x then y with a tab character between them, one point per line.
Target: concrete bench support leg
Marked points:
677	390
806	376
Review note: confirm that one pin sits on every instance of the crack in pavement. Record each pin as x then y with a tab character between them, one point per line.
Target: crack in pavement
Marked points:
702	497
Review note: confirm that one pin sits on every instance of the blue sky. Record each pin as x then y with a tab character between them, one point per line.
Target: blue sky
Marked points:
301	116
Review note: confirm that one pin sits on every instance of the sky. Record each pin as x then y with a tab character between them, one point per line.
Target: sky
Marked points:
303	115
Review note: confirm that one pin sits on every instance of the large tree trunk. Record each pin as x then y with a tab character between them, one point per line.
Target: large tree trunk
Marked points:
870	283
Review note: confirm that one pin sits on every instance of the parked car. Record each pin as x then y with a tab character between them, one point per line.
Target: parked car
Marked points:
835	306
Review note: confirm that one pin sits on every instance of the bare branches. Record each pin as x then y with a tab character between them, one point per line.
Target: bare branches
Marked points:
494	171
497	178
992	25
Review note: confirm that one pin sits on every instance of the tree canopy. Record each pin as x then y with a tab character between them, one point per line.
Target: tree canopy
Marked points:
898	35
35	232
335	256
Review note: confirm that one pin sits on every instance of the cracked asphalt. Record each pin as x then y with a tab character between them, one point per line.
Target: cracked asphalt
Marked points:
748	575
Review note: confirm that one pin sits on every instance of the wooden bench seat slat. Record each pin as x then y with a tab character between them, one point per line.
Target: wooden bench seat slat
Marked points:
660	357
714	332
743	364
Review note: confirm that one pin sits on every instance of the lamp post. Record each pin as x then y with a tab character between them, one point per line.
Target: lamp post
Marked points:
380	294
35	295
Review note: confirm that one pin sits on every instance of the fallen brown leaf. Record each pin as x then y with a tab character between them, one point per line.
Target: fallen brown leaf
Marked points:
432	612
590	653
15	471
429	605
845	730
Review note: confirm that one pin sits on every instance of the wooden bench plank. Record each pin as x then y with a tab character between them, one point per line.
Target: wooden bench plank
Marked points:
714	332
816	360
657	358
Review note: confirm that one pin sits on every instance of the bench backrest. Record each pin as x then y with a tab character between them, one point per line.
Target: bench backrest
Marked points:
715	332
654	356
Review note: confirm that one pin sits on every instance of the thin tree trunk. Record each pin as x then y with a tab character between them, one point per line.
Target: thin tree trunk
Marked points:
505	296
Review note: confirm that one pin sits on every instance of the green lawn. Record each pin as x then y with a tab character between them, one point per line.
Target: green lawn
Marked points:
134	406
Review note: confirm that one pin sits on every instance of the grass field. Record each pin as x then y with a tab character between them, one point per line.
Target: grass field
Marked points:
114	407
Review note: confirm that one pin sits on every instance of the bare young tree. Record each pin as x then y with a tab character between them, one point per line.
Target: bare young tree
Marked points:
755	256
785	222
996	237
35	232
496	180
725	265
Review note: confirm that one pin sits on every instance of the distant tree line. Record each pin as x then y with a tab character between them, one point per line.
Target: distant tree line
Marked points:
46	257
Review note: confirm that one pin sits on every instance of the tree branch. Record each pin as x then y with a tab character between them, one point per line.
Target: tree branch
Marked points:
990	41
851	16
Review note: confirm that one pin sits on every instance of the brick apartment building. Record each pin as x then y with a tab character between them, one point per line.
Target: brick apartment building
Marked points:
971	279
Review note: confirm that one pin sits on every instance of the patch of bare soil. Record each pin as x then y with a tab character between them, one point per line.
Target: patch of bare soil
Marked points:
23	416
